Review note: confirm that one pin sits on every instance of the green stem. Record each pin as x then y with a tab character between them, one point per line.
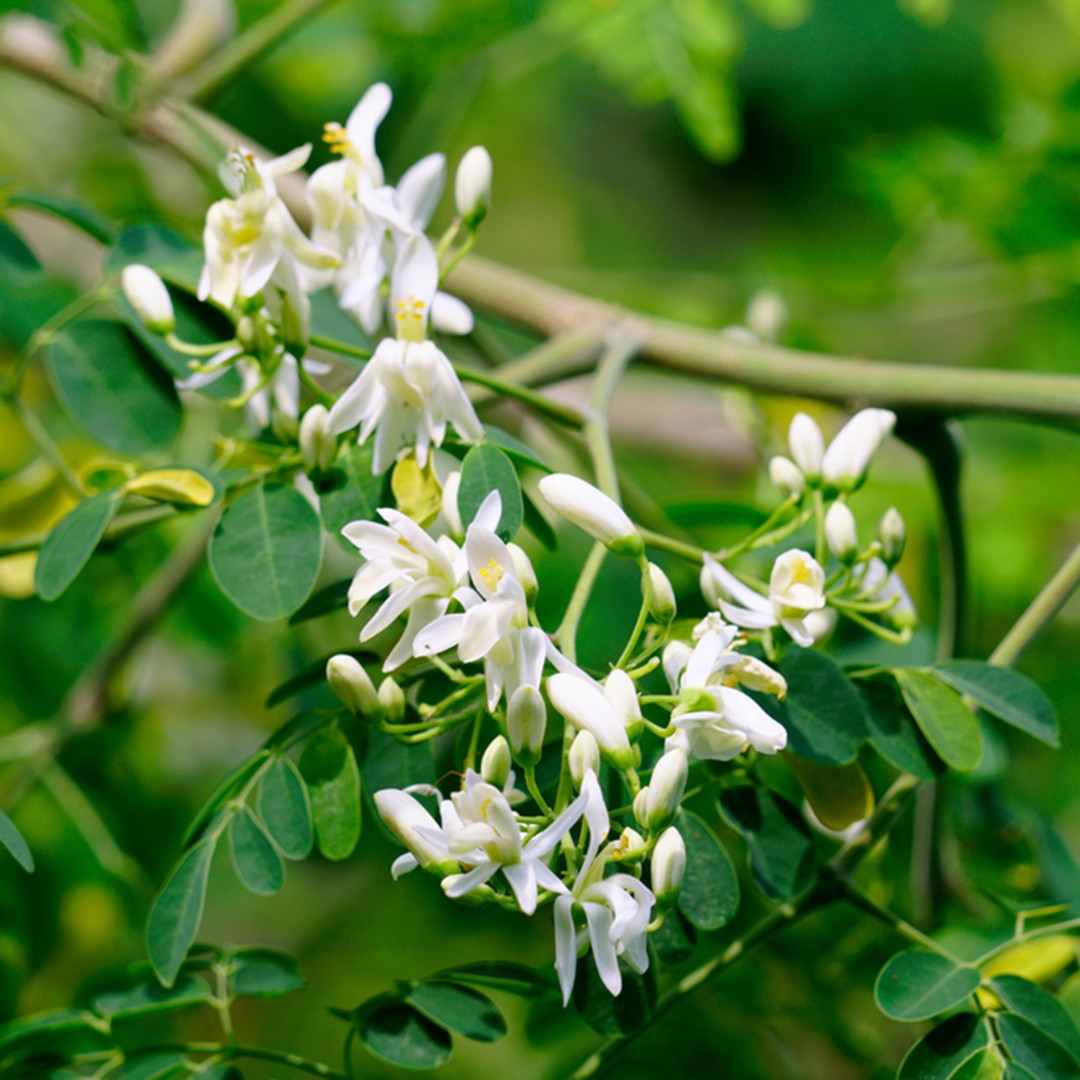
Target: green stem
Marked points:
643	615
321	395
618	354
661	542
555	410
233	1052
566	635
749	541
1040	612
534	790
38	432
342	348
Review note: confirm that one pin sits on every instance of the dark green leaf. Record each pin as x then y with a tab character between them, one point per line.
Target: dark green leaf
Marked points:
459	1008
945	1050
390	763
328	599
399	1034
1038	1007
823	713
266	551
1018	1072
349	492
948	724
255	859
62	1028
893	732
674	939
537	524
112	386
155	1066
484	470
514	447
780	848
13	840
1006	694
28	295
919	984
71	543
265	973
152	997
285	809
221	794
328	767
985	1065
158	247
502	975
177	911
709	896
82	217
604	1013
1036	1050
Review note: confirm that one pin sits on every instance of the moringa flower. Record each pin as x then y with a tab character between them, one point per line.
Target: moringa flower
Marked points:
592	511
147	294
588	708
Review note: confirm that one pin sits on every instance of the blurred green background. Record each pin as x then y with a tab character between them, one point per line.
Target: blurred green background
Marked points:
906	177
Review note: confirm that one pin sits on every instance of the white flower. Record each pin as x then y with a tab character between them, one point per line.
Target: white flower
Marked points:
786	476
409	390
715	721
878	583
668	867
317	448
482	831
581	702
147	294
351	684
472	186
591	510
807	446
617	909
796	587
252	238
418	831
661	595
584	757
849	454
840	532
665	790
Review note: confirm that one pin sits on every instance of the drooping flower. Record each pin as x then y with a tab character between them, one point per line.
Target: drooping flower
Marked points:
418	831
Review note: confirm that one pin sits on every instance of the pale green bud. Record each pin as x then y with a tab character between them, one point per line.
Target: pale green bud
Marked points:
641	808
892	534
665	790
661	595
524	572
526	723
392	699
472	186
593	512
495	764
840	532
147	294
584	757
295	323
352	685
668	867
807	446
317	448
786	476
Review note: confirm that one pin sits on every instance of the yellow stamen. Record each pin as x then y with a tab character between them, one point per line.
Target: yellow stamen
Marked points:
491	574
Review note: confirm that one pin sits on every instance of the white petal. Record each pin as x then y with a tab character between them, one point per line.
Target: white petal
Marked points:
603	949
565	945
522	879
451	315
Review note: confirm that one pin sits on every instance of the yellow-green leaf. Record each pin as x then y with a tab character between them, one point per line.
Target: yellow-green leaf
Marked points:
839	795
181	487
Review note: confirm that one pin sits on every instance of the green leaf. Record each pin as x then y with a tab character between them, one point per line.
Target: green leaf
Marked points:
778	840
286	810
221	794
1038	1007
390	763
674	939
893	732
839	795
151	997
709	896
948	724
514	447
28	295
266	551
255	859
941	1054
605	1014
502	975
459	1008
919	984
1006	694
71	543
484	470
13	840
158	1066
985	1065
328	767
1035	1050
265	973
58	1030
400	1035
82	217
328	599
349	492
177	911
112	386
174	258
823	713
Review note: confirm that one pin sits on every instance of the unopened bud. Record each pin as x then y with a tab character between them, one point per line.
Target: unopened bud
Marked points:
665	790
840	532
893	536
526	723
584	757
414	827
317	448
495	764
668	867
632	847
807	446
524	572
295	323
621	693
352	685
472	186
766	314
661	595
592	511
641	808
392	699
147	294
786	476
848	457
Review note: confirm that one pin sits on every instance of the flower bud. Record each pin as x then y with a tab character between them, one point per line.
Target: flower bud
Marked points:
766	314
641	808
840	533
848	457
392	699
295	323
584	757
583	705
524	572
621	693
451	513
147	294
668	867
893	535
593	512
632	847
526	723
661	595
786	476
665	790
472	186
414	826
495	764
807	446
352	685
317	448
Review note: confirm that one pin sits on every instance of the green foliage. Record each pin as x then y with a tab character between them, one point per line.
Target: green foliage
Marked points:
919	984
72	542
348	492
174	919
328	766
285	809
459	1009
401	1035
257	862
709	897
949	1051
13	840
486	469
948	724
